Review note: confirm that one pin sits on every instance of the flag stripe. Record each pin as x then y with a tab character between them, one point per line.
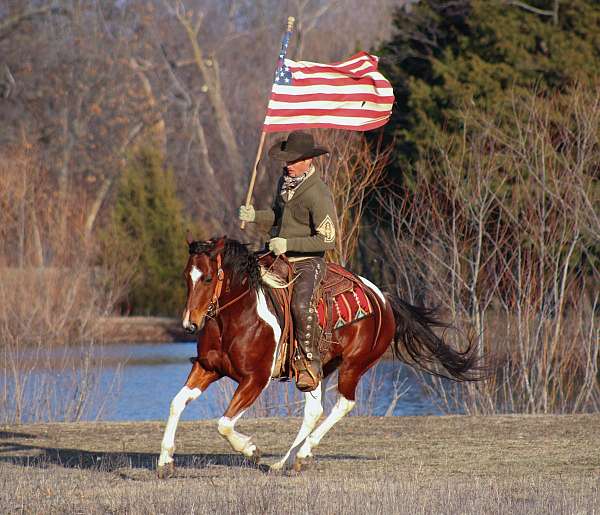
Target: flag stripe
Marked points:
335	111
336	90
298	106
341	81
283	127
354	69
334	98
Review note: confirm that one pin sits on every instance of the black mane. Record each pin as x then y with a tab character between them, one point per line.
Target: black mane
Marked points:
236	256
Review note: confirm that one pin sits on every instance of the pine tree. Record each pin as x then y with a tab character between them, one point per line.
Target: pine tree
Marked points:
148	227
446	56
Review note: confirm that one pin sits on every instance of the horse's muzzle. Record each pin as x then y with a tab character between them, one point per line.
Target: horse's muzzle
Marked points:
192	328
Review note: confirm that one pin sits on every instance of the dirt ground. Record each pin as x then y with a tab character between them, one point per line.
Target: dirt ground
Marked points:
452	464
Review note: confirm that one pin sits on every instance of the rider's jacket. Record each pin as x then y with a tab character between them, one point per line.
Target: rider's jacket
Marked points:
307	221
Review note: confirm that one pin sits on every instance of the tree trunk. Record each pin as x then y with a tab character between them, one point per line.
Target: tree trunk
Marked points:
209	72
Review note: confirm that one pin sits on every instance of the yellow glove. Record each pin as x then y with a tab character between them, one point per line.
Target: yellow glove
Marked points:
278	246
246	214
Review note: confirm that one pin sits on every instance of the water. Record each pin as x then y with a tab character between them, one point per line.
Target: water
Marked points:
152	374
138	381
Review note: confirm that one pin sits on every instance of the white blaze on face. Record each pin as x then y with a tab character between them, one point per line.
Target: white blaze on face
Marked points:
195	275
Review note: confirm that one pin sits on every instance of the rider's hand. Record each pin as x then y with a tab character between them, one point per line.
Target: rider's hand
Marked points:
246	214
278	246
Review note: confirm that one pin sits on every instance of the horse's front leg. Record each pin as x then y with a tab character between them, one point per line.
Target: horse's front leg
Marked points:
313	409
246	393
197	382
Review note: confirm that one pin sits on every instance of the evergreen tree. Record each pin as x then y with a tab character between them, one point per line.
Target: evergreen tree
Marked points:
449	55
148	226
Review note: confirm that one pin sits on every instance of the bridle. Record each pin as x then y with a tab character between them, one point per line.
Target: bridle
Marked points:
214	308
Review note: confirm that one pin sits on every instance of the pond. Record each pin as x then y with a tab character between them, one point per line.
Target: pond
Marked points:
137	382
151	374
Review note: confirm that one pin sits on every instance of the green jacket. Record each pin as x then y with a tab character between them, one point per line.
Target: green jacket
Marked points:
307	221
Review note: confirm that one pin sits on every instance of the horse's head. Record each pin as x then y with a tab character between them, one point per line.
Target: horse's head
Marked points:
203	275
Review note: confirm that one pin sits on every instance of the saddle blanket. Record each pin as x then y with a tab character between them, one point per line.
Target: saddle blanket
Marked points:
347	307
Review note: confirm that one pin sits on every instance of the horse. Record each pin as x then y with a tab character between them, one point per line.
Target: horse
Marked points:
238	335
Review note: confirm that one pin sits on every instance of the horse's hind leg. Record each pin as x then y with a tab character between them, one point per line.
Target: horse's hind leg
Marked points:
246	393
348	379
313	409
197	382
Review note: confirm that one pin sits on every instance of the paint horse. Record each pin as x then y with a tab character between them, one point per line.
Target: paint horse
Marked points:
239	334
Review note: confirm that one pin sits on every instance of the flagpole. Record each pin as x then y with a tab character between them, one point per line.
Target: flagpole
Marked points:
261	143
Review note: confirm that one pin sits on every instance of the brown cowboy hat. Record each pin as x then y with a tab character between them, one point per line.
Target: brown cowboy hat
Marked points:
299	145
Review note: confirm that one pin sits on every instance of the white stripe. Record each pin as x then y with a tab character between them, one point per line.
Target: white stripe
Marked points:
343	64
363	66
337	90
338	120
263	312
195	274
374	288
324	104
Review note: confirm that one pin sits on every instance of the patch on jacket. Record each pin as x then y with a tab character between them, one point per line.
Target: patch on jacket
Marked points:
327	229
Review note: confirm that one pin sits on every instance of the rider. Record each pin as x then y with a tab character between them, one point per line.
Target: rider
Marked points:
302	223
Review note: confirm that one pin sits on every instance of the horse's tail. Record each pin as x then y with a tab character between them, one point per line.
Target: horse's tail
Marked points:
416	343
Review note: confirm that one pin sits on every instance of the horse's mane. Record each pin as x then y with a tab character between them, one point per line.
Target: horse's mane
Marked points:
241	261
236	257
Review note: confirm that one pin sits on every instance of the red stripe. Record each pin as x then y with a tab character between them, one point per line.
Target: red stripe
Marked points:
346	81
362	53
335	97
294	126
348	70
364	113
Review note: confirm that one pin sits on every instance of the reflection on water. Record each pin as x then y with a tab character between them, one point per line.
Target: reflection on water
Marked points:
153	373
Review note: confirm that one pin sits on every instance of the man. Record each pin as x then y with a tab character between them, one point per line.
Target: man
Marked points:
302	226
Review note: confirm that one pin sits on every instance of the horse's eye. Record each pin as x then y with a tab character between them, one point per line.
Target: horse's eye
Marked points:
208	279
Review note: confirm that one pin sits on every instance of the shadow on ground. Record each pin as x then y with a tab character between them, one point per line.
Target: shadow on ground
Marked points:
21	454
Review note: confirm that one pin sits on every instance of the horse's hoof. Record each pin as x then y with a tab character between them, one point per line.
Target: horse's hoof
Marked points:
277	466
303	463
256	456
166	471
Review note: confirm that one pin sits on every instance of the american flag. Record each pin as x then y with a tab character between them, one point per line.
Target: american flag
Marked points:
349	95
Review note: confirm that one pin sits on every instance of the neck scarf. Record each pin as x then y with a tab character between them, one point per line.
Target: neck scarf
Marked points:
290	184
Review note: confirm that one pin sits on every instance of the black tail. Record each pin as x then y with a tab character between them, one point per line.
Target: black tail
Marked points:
417	344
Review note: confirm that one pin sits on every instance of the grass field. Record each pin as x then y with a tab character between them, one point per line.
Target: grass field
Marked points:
501	464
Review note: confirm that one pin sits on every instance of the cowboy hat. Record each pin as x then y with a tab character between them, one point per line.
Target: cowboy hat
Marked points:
299	145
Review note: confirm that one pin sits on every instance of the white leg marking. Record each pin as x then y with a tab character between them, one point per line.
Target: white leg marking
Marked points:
374	288
178	404
238	441
265	313
313	409
195	274
342	407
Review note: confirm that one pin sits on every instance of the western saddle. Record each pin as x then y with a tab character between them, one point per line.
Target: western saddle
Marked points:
337	282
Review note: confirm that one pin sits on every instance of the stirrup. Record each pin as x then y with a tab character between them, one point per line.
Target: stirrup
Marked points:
306	380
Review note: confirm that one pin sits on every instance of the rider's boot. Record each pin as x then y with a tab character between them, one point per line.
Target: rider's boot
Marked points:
309	371
307	361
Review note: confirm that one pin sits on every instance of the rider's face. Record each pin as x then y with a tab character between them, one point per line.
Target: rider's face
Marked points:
297	168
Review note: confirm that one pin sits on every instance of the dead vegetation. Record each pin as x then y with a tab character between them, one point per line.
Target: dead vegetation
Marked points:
516	464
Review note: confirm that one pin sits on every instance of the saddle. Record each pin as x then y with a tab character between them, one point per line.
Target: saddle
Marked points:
342	299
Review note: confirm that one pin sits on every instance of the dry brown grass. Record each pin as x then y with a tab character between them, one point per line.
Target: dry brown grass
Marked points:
521	464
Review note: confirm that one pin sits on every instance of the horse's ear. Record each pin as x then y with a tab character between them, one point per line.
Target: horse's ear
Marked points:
218	246
188	237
